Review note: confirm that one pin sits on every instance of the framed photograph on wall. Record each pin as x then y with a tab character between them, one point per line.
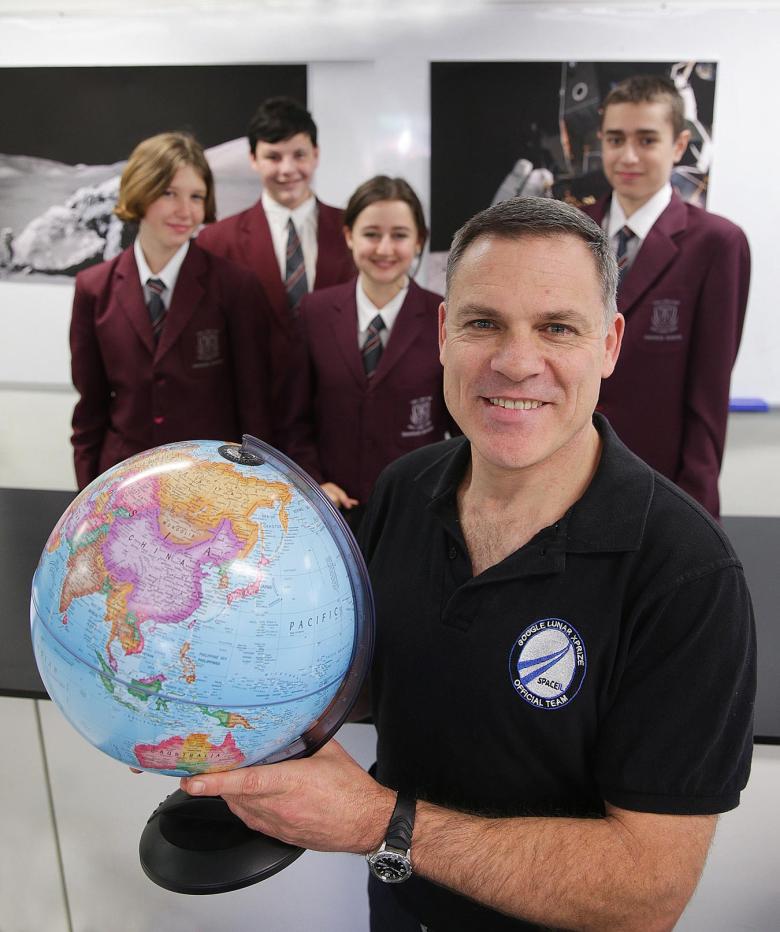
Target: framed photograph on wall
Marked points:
67	132
501	129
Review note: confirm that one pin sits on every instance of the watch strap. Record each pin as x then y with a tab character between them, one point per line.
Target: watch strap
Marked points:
401	826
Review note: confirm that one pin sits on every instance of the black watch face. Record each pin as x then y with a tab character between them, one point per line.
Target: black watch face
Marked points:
391	868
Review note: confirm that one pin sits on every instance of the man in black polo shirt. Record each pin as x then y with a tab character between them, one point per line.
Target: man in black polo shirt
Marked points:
565	657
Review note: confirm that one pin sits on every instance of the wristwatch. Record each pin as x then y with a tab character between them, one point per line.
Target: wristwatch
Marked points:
391	862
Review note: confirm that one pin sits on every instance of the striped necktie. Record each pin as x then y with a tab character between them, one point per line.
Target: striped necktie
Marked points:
372	347
156	306
295	271
625	235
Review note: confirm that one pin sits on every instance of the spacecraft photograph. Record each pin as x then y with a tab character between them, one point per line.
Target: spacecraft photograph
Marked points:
502	129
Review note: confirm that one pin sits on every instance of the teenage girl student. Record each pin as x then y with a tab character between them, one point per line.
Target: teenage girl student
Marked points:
369	386
167	341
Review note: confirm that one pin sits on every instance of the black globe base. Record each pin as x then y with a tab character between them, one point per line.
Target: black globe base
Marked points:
194	844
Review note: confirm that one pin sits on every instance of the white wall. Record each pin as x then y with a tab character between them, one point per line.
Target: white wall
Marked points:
31	895
739	891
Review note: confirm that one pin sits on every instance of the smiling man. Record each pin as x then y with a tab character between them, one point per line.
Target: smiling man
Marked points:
289	239
565	659
523	386
684	284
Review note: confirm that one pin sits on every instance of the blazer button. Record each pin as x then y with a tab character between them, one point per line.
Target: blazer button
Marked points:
159	420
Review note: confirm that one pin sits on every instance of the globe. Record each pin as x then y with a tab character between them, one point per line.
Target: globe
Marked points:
202	606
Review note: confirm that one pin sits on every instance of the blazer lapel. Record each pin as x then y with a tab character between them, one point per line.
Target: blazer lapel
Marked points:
330	252
658	251
130	297
260	256
598	211
186	296
343	322
405	332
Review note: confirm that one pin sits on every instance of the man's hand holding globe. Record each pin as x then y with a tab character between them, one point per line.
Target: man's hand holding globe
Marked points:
325	802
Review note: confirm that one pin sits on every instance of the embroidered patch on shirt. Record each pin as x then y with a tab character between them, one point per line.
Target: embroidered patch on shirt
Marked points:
547	663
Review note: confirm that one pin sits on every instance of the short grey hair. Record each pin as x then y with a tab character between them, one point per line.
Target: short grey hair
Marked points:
521	217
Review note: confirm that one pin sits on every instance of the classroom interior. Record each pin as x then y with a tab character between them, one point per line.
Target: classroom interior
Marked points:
71	816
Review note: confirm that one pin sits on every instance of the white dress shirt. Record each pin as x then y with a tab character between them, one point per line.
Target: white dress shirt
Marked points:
304	218
640	222
367	311
168	275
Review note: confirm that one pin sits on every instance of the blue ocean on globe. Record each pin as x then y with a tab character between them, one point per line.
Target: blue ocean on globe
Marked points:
201	607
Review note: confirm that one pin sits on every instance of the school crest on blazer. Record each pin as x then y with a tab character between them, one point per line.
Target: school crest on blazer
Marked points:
664	321
684	301
207	349
420	421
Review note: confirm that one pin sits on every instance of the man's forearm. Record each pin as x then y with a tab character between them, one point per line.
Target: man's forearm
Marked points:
599	874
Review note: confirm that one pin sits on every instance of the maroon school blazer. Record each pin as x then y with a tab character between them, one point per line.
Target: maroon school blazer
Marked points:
245	238
684	301
344	427
208	378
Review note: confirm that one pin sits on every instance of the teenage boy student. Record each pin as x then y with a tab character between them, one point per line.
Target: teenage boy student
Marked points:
290	240
683	290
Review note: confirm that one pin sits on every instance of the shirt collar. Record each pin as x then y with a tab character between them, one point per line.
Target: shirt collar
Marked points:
277	213
168	274
367	310
610	516
642	220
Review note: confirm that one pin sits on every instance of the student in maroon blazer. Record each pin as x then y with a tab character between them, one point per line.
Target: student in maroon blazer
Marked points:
683	294
283	151
346	425
202	372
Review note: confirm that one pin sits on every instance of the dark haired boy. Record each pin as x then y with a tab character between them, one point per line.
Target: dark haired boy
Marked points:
683	291
289	239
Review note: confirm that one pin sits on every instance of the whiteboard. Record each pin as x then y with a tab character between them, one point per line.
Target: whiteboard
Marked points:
369	93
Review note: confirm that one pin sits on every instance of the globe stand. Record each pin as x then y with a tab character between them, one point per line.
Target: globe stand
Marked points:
196	845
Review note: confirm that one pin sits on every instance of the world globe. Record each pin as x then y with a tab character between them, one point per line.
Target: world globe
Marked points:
200	607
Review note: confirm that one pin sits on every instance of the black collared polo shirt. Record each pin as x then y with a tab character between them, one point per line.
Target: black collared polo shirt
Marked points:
610	658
